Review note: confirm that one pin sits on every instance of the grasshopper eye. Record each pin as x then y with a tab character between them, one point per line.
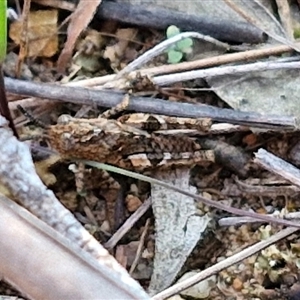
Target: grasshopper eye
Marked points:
64	119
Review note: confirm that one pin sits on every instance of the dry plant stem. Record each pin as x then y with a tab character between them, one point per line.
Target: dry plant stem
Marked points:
222	71
217	60
160	48
4	109
18	174
277	166
237	221
117	83
28	103
57	4
271	191
140	247
175	289
285	17
204	200
111	243
52	263
206	62
192	65
92	97
24	36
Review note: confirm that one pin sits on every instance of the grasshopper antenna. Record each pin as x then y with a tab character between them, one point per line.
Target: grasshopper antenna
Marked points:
31	118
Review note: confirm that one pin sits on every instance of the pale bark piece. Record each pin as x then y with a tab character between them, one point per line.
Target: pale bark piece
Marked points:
178	229
278	166
54	268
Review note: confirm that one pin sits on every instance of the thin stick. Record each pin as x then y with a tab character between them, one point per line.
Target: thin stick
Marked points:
237	221
202	199
24	37
184	66
221	71
150	105
111	243
277	166
191	65
175	289
285	17
140	247
161	47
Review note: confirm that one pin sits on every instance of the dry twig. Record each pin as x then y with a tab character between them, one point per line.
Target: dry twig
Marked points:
161	47
222	71
92	97
278	166
128	224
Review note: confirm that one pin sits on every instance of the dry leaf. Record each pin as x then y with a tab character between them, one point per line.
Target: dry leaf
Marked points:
258	15
42	33
114	52
80	19
272	92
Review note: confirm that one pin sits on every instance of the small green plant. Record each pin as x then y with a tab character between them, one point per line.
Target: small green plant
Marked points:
177	51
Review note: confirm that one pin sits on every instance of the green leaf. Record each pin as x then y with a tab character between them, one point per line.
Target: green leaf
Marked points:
172	31
174	56
187	50
3	30
184	45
